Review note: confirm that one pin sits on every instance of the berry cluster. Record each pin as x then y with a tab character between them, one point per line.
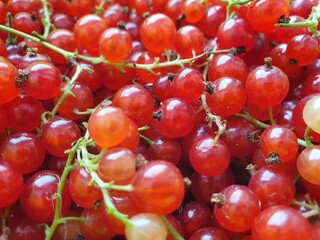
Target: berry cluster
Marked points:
159	119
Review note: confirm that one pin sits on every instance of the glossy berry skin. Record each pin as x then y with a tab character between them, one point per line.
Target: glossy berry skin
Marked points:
177	118
157	33
26	22
58	135
228	96
136	102
264	14
189	39
112	78
281	222
240	137
146	226
302	7
298	122
227	65
203	187
234	33
31	57
239	208
108	126
199	131
37	199
158	187
149	58
210	233
11	184
267	85
24	151
193	216
166	149
160	87
308	164
118	165
8	90
81	100
304	49
187	84
61	38
115	44
193	10
24	113
131	141
211	20
272	186
44	80
87	32
81	192
284	35
93	227
311	85
281	60
209	158
280	140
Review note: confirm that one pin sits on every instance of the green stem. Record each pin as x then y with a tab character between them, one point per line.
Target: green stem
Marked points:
98	9
11	37
311	22
144	128
272	121
149	141
307	137
171	229
232	3
311	213
213	118
260	124
302	204
109	206
66	54
104	187
67	92
66	219
50	230
46	19
253	120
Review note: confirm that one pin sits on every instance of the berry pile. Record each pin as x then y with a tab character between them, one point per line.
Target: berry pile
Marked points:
159	119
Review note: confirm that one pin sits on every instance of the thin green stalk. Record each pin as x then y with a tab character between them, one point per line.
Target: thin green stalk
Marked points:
50	230
46	19
171	229
109	206
66	54
311	22
213	118
272	121
302	204
143	128
253	120
311	213
307	137
149	141
67	92
232	3
66	219
260	124
11	37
